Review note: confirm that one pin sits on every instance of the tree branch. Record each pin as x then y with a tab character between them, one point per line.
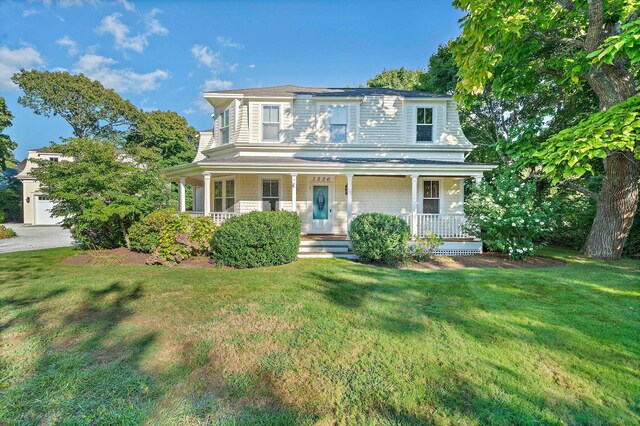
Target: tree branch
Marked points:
569	5
595	28
582	190
634	16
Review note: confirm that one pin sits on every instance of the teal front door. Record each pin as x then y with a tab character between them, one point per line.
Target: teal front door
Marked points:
321	208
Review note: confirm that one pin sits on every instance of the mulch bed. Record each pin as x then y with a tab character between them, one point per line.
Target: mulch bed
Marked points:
486	260
122	256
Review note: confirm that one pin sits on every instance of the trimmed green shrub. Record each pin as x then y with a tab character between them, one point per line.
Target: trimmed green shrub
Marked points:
379	237
182	237
6	232
257	239
424	248
144	235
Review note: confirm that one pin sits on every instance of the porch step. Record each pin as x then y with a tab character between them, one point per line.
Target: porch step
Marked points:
325	243
324	249
325	255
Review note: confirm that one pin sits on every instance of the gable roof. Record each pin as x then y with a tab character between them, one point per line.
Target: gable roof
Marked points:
293	91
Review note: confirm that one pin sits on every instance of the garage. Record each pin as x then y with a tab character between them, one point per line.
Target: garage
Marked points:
43	207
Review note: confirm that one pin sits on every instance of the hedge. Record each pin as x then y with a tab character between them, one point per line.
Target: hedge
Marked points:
257	239
380	237
144	235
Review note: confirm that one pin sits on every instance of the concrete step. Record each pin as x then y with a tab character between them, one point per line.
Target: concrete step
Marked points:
325	255
325	243
325	249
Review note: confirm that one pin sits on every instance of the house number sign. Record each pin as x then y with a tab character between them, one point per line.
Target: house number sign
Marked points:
321	179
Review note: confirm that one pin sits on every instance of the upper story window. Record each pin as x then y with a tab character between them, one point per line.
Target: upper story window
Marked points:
54	159
424	124
270	123
338	124
224	127
431	197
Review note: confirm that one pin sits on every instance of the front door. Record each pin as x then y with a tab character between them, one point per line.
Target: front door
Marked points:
321	211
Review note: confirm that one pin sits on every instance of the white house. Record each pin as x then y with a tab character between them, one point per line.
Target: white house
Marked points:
331	154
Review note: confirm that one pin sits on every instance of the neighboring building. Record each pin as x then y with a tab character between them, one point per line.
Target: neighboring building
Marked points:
331	154
36	205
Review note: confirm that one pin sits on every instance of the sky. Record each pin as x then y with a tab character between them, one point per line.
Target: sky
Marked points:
163	55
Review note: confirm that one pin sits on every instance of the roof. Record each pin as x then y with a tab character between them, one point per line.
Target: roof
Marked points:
293	91
334	161
46	149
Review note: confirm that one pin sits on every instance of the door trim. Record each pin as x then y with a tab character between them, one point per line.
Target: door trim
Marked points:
319	180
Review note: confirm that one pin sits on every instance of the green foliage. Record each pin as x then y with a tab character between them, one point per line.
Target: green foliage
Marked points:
257	239
10	198
626	44
166	134
423	248
506	214
380	237
399	79
90	109
6	144
144	234
572	216
181	237
6	232
101	193
569	152
442	72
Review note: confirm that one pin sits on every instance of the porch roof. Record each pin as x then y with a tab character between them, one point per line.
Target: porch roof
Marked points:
330	165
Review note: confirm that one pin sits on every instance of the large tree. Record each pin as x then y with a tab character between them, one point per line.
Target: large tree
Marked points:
518	47
92	110
166	134
400	79
6	144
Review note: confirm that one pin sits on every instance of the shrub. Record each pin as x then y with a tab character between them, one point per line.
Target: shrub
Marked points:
1	216
6	232
144	234
182	237
506	214
424	248
379	237
257	239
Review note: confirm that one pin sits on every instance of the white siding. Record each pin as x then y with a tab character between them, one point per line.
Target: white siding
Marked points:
303	121
381	120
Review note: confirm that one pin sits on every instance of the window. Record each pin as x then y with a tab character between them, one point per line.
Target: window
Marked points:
431	199
338	124
230	195
270	123
424	124
270	194
54	159
224	127
224	195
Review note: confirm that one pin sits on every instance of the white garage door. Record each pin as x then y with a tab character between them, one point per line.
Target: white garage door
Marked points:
43	211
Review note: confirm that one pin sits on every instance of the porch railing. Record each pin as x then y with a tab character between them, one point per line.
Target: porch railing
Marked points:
443	225
219	217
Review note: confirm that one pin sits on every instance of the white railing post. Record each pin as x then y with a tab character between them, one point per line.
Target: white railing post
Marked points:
349	200
294	181
207	193
182	205
414	206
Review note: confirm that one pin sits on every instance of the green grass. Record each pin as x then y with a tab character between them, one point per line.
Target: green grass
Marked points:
318	341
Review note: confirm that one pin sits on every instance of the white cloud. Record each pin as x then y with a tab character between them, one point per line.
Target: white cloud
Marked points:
28	12
227	42
233	67
128	6
122	80
12	60
69	44
217	84
205	56
111	24
252	66
188	111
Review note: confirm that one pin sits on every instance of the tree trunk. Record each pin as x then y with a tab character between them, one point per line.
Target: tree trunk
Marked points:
616	207
125	234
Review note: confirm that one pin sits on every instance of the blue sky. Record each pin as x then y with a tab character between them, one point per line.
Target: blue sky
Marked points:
162	55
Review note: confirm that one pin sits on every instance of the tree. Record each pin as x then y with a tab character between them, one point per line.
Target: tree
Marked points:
166	134
517	47
102	192
92	110
399	79
6	144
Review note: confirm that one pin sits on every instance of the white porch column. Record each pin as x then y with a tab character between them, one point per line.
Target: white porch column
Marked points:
182	204
478	179
349	200
414	205
207	193
294	195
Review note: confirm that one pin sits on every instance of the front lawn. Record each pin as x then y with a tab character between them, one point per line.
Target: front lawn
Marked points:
318	341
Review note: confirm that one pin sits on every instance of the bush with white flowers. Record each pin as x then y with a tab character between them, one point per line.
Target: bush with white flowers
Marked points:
506	214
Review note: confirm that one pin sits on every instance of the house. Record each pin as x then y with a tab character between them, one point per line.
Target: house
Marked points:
330	154
36	205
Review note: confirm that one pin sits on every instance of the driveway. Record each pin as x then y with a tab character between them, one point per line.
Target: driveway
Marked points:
35	237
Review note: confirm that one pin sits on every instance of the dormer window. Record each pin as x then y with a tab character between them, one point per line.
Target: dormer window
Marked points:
224	127
424	124
270	123
338	124
54	159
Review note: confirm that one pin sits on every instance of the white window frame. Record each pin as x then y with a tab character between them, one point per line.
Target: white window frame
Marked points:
271	177
346	124
433	123
280	111
225	118
440	193
224	180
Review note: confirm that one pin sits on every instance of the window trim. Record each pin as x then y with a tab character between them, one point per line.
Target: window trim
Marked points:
346	124
226	112
416	124
280	110
224	181
440	193
280	192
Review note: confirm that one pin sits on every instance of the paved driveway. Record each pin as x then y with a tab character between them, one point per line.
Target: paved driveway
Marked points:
35	237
